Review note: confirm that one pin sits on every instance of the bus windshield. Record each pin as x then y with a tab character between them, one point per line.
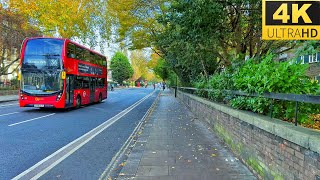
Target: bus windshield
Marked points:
43	54
44	82
41	66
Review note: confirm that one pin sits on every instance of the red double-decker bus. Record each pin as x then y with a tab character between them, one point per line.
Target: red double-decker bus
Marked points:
60	73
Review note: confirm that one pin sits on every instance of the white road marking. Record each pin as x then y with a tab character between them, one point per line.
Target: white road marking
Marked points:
9	114
8	105
45	165
31	119
100	109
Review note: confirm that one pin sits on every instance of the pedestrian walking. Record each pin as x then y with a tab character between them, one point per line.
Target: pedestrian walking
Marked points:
163	85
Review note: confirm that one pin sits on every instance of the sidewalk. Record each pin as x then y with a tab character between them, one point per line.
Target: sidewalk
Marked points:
174	145
8	98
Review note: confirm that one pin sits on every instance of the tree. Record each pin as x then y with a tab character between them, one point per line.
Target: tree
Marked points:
82	19
202	37
121	68
139	64
136	20
162	69
13	30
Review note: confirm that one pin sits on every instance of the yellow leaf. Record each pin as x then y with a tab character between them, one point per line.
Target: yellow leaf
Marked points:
122	164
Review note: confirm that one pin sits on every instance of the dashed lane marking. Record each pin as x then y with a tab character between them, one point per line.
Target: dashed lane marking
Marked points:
8	114
2	106
31	119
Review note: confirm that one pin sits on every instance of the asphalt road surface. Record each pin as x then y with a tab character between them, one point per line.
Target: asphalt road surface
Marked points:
68	144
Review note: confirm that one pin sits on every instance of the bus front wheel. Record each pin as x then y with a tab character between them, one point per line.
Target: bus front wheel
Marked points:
78	102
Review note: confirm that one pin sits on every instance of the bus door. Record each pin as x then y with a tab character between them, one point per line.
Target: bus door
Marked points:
92	89
69	90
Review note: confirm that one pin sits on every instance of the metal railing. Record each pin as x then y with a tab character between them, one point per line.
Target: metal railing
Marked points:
297	98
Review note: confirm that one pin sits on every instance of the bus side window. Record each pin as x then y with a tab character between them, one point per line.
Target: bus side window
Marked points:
71	50
103	61
79	53
92	58
85	82
86	55
79	82
103	82
95	82
100	82
96	59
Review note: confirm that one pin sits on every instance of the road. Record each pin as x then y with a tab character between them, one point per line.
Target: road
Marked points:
68	144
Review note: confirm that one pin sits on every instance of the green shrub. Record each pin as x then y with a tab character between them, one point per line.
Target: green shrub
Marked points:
261	76
201	84
219	83
255	104
277	77
271	76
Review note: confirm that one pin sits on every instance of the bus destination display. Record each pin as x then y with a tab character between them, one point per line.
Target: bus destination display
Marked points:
83	68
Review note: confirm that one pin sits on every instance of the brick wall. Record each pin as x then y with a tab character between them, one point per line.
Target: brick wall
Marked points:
273	149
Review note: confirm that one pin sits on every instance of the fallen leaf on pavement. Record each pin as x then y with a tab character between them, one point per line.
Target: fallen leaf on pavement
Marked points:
122	164
213	155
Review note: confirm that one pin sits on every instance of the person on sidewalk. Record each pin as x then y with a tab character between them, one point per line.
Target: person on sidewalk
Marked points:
163	85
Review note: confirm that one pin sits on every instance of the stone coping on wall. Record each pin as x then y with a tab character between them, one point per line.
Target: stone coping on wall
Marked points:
308	138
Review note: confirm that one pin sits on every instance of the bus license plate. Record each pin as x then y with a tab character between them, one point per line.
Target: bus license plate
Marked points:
39	105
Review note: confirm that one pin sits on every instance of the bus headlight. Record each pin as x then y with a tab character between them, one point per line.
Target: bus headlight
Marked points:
21	95
59	96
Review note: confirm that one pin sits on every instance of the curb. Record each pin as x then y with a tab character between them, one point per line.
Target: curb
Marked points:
10	100
112	168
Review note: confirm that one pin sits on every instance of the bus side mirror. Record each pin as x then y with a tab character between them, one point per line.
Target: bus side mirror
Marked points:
63	75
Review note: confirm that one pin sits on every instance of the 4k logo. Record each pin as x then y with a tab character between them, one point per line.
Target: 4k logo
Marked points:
282	13
290	20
